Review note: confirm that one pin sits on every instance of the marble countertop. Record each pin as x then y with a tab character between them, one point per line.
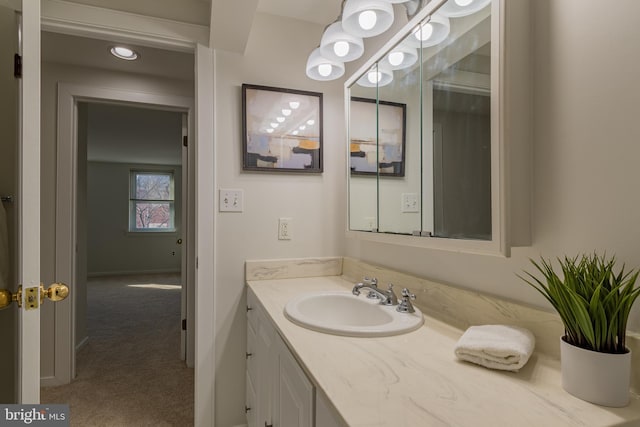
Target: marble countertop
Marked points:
415	380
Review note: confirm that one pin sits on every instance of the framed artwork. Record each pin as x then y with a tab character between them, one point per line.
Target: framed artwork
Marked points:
282	130
377	149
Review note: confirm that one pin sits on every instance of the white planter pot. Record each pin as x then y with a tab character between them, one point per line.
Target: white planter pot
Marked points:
599	378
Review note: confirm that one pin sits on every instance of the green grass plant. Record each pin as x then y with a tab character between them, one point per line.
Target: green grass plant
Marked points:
592	299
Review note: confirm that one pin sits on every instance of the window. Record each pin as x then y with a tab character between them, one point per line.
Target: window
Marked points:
151	201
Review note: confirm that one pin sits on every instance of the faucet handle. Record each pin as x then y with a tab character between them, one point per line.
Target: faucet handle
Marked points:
371	282
392	299
405	305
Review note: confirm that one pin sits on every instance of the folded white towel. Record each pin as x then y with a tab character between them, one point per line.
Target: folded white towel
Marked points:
496	346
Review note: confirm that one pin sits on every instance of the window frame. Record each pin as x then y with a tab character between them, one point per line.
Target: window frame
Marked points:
133	200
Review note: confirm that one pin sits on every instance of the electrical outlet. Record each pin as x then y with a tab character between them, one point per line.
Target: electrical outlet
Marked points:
409	202
284	229
231	200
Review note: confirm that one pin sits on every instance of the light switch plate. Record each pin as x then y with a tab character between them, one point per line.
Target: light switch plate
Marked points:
231	200
409	202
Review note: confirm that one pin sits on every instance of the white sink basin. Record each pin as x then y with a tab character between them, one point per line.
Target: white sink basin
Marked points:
342	313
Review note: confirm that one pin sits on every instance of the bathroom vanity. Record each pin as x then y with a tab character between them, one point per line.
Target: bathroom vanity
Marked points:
300	377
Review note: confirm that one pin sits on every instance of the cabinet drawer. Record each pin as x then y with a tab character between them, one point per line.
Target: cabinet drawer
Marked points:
252	310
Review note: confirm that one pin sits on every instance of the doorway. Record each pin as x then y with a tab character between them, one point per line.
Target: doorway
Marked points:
130	280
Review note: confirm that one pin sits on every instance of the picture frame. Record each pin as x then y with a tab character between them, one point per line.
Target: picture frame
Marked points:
366	137
281	130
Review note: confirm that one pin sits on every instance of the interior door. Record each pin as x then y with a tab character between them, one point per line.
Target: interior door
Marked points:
8	191
28	203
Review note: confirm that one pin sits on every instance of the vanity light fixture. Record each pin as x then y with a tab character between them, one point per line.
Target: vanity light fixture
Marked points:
124	53
367	18
460	8
321	68
338	45
431	32
376	77
402	56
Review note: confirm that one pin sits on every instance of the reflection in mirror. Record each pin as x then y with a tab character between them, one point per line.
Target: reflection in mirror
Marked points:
458	101
399	195
440	72
363	157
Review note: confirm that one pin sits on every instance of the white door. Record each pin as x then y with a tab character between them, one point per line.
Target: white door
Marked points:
28	207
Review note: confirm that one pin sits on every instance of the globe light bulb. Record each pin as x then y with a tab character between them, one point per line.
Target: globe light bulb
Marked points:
286	112
274	125
294	104
325	69
396	58
341	48
367	19
311	122
269	130
295	132
280	119
423	32
374	76
302	127
463	3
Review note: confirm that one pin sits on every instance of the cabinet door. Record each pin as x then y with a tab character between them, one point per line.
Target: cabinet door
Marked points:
252	419
265	359
294	394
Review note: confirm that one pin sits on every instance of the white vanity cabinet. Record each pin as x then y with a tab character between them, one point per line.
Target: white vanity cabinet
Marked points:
279	394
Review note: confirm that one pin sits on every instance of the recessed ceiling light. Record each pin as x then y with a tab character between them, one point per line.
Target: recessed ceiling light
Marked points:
124	53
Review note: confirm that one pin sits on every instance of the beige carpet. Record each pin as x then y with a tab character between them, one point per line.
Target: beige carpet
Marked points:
130	373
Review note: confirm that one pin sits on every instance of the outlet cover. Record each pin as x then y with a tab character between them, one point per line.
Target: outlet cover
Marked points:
231	200
285	232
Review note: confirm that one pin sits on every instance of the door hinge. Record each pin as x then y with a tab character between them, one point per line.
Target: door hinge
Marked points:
17	66
184	324
185	140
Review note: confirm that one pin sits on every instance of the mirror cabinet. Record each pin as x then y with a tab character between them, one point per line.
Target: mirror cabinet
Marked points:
432	160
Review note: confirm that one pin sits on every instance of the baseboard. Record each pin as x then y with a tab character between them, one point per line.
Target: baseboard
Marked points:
130	272
50	382
82	343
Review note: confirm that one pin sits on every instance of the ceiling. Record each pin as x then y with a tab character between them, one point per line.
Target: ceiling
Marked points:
89	52
126	134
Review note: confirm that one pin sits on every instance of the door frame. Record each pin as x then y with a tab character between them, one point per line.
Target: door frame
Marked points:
66	204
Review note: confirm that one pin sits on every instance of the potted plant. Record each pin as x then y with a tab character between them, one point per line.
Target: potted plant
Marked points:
593	302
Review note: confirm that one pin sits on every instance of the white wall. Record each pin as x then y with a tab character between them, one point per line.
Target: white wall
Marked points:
52	73
585	154
276	55
111	248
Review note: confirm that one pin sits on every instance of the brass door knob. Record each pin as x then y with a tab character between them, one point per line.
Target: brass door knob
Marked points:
5	298
55	292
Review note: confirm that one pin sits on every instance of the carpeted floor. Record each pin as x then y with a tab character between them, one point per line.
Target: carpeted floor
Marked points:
130	373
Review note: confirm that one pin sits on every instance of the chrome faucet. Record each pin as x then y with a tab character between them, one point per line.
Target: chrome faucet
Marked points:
387	297
405	305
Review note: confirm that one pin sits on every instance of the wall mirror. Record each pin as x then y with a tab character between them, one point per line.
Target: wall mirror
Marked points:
437	173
